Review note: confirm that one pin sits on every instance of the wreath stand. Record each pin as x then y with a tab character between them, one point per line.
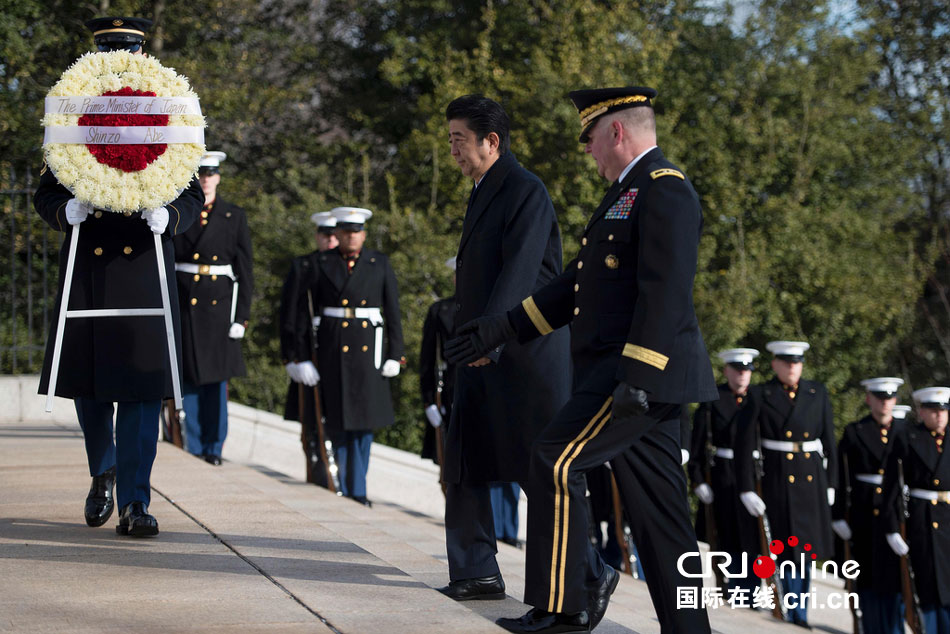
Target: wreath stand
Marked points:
65	314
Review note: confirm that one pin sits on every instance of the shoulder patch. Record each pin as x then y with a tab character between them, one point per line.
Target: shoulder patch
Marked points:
44	168
667	171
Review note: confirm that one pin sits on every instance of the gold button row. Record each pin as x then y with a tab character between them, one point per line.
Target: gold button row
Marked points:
125	250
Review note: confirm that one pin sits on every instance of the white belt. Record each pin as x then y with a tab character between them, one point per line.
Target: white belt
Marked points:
870	478
927	494
724	452
206	269
372	314
789	446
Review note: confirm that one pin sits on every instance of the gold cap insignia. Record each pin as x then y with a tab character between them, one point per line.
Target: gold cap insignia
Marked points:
117	23
611	261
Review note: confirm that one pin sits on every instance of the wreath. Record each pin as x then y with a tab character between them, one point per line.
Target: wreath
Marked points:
123	132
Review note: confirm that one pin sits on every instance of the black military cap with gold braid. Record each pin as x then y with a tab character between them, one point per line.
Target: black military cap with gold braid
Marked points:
114	33
593	104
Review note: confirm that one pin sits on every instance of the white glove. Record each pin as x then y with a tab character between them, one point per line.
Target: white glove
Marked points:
236	331
432	413
704	492
897	544
841	529
831	496
753	503
77	211
390	368
308	373
684	456
293	372
157	219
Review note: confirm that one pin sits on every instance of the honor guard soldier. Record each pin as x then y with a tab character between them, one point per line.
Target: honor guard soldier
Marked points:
436	375
120	360
712	466
297	345
918	463
215	283
638	357
788	422
359	344
863	453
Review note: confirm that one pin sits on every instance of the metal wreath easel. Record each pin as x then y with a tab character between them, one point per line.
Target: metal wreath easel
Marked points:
65	314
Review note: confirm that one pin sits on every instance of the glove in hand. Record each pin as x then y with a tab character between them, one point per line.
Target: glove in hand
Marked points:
433	415
308	373
629	402
76	211
157	219
897	544
478	337
390	368
752	503
236	331
704	492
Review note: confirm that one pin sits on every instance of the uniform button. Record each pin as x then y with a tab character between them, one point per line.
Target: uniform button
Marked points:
805	434
197	277
346	348
884	432
194	300
98	214
204	214
195	256
807	454
214	278
935	525
610	237
365	324
345	302
880	471
878	490
936	481
791	479
577	287
933	502
214	258
877	511
214	302
126	213
127	250
345	324
365	348
584	242
788	434
580	265
884	440
809	478
789	456
362	302
577	311
98	251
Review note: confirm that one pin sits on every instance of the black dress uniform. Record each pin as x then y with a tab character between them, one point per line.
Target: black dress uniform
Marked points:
736	530
438	328
926	472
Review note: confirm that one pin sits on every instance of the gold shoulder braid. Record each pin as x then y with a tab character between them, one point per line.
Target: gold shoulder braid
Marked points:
666	171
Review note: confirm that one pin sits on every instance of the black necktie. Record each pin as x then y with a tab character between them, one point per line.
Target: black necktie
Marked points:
471	198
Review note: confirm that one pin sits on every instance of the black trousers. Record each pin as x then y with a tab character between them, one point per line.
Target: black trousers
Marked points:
645	456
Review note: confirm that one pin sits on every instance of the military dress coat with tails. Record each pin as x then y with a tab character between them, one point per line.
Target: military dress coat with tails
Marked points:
112	359
795	484
866	456
510	247
356	396
928	527
208	354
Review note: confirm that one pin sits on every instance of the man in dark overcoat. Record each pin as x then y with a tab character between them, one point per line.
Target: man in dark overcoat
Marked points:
863	452
638	357
713	449
359	344
919	462
788	421
123	360
510	247
297	346
215	283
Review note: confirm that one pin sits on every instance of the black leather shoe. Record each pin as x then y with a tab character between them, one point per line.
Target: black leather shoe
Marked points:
538	620
135	521
100	503
362	500
512	541
480	588
213	459
598	596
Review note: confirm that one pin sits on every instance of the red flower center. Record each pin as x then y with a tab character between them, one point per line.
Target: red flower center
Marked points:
128	158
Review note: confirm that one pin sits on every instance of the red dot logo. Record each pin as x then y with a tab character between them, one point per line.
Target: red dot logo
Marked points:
807	546
792	540
776	547
763	567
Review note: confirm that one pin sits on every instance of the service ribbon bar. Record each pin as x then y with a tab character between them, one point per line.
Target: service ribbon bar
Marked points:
123	135
122	105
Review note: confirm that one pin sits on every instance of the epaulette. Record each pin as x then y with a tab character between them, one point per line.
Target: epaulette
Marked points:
667	171
44	168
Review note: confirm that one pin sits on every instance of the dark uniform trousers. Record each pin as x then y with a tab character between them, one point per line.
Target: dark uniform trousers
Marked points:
628	296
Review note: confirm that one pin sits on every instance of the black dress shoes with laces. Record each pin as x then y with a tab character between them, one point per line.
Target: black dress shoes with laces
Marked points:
538	621
598	596
478	588
100	502
213	459
135	521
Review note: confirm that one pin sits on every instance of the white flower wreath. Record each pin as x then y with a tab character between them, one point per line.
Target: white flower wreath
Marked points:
131	177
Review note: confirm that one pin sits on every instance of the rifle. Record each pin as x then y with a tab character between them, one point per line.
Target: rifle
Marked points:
317	410
440	366
171	424
712	536
912	613
765	532
857	617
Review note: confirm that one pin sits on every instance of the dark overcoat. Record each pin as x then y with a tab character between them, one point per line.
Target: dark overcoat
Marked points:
928	524
736	530
862	452
114	358
296	331
356	396
794	485
510	247
439	327
208	354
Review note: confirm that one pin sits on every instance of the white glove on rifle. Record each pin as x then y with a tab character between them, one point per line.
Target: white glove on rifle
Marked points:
77	211
157	219
897	544
831	496
704	492
841	529
752	503
308	373
236	331
684	456
293	372
434	416
390	368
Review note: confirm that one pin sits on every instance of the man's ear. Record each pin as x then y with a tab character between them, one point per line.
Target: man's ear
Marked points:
493	141
617	130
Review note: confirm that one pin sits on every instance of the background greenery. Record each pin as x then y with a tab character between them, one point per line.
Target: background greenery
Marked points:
815	133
